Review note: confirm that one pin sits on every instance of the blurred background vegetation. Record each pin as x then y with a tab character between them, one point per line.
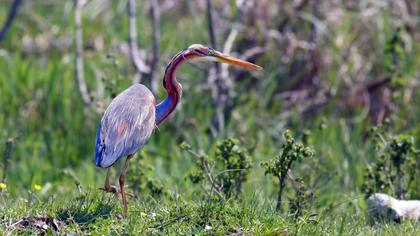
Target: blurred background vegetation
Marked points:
332	70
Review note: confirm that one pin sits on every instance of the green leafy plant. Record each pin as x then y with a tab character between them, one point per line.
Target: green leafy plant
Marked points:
396	167
223	174
235	163
280	166
140	180
203	174
302	199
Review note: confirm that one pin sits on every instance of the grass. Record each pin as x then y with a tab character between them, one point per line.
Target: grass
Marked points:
54	134
97	213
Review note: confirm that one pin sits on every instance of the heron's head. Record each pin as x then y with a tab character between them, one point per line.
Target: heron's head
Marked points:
203	53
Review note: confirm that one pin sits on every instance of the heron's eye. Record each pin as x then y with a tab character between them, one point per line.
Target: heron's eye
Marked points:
164	83
199	51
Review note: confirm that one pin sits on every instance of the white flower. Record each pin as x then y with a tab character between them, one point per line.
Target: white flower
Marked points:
207	228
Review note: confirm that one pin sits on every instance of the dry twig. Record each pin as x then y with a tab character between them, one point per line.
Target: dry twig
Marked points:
6	156
12	14
226	50
218	116
135	58
155	17
79	52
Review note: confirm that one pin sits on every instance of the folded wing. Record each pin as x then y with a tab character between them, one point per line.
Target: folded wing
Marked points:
126	125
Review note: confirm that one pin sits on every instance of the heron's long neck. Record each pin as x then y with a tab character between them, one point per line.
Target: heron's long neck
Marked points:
167	106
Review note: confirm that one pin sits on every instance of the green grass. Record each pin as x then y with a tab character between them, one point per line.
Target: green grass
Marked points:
97	213
54	134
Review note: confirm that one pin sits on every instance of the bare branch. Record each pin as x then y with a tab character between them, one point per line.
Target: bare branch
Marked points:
210	23
155	17
6	156
226	50
12	14
219	91
252	52
79	52
135	58
215	185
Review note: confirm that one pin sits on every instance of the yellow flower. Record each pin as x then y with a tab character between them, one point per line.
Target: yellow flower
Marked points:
2	186
37	187
143	214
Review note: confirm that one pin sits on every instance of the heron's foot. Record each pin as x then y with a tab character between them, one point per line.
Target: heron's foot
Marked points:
116	190
129	194
111	189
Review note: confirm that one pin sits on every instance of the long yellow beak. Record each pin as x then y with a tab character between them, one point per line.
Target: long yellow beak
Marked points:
235	61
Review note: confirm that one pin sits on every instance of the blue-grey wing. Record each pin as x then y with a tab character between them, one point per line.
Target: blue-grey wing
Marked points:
126	125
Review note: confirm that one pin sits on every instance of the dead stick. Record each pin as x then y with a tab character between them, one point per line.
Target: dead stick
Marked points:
155	17
219	90
226	50
135	58
6	156
12	14
79	52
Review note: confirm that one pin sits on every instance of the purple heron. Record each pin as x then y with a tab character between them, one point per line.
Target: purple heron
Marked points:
130	119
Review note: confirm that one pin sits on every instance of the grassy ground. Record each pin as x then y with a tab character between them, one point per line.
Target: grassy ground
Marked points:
95	213
51	177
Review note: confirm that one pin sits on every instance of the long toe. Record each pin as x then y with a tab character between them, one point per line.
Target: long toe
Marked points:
116	190
110	189
130	194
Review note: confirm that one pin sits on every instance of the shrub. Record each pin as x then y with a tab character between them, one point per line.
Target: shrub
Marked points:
282	164
225	172
139	176
396	167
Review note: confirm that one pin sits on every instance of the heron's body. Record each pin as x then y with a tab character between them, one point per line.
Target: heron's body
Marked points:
130	119
126	126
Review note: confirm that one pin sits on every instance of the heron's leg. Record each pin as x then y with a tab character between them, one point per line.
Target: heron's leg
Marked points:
107	187
122	179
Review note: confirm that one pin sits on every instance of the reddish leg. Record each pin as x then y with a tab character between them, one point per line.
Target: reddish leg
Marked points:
122	179
107	187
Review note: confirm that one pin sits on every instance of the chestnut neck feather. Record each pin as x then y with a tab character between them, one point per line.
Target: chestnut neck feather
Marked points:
167	106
